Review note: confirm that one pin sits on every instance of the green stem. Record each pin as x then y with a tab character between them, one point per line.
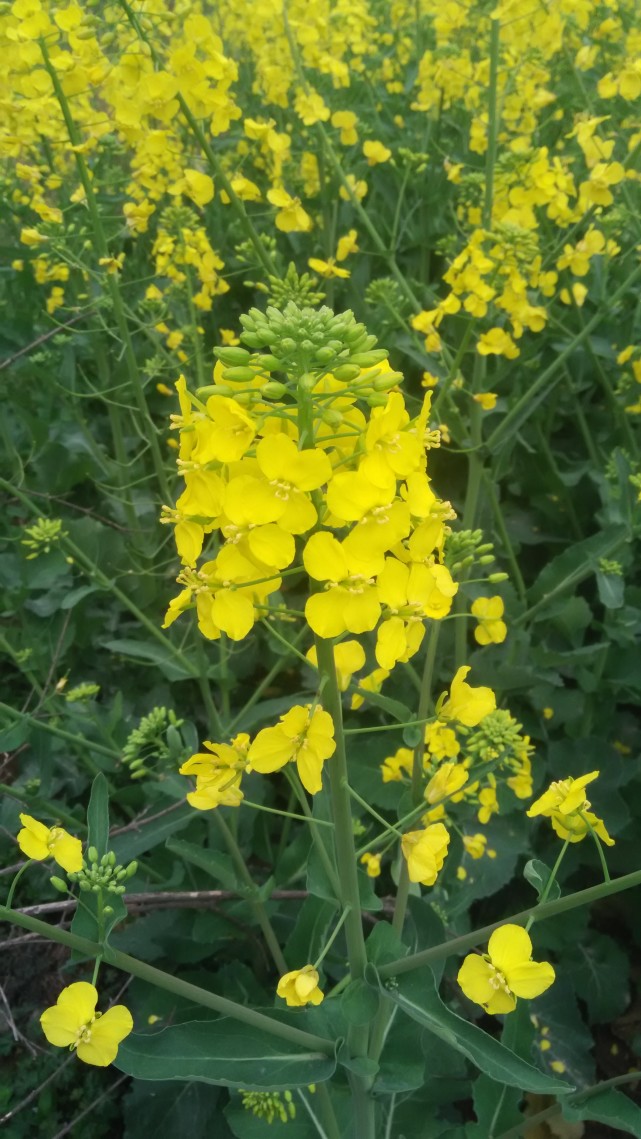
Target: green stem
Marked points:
64	735
257	906
152	976
215	166
540	912
490	489
327	1109
492	123
337	928
317	838
535	391
37	804
375	815
548	885
287	814
599	847
102	250
534	1121
18	876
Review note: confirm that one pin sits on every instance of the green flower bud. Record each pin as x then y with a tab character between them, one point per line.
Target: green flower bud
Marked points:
92	854
324	355
131	869
494	578
239	375
347	372
59	885
108	910
267	363
376	400
387	381
307	382
369	359
273	389
252	339
487	560
232	357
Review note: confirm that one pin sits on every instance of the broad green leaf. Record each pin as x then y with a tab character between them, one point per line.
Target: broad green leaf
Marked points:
609	1107
151	652
85	920
245	1125
98	815
219	866
577	562
131	844
538	875
160	1109
611	587
313	919
359	1003
415	994
222	1052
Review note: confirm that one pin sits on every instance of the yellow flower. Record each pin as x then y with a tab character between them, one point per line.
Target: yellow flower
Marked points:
495	979
497	342
345	122
424	852
487	400
566	805
291	217
466	704
396	766
195	185
74	1023
300	987
449	779
349	602
39	842
475	845
441	741
375	152
307	740
490	629
349	657
372	864
346	245
327	268
218	774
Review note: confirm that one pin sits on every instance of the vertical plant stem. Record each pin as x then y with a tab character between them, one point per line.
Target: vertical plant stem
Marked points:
317	838
257	906
349	895
499	520
102	250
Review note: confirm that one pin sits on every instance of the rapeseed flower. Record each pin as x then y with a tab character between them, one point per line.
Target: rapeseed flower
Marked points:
497	978
74	1023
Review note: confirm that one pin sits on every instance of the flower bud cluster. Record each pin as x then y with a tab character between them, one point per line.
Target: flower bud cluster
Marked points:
103	873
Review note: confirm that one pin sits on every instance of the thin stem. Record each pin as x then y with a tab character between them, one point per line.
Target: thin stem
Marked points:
317	839
599	846
337	928
191	993
12	888
548	885
257	906
540	912
327	1109
370	810
102	250
287	814
534	1121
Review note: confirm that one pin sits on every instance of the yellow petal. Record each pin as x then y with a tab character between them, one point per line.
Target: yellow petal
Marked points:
508	947
530	979
66	850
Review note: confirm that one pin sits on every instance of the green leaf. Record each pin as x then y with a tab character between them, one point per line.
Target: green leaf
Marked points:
151	652
85	920
538	875
222	1052
161	1110
611	587
359	1003
609	1107
98	815
415	993
311	930
218	865
139	840
246	1125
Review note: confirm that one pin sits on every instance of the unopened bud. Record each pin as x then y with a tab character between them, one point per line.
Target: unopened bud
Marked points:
267	363
239	375
273	389
386	381
494	578
108	910
376	400
59	885
232	357
131	869
369	359
92	854
307	382
487	560
346	372
324	355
